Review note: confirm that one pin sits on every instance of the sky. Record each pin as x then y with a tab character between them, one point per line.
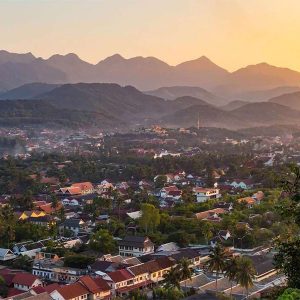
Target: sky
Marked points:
232	33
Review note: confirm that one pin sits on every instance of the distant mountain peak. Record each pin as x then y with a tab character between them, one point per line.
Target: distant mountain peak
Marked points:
113	59
68	56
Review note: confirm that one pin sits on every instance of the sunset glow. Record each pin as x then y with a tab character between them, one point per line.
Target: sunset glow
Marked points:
232	33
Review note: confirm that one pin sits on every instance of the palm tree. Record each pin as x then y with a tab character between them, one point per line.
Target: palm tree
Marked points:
217	261
231	269
172	278
245	273
185	271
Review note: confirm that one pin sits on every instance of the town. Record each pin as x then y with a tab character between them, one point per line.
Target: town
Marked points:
144	215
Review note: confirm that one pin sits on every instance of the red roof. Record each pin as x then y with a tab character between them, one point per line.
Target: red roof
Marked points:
72	290
48	209
38	290
120	275
51	287
13	292
26	279
84	186
172	188
92	285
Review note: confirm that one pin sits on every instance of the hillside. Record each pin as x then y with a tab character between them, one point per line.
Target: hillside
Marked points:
258	77
291	100
37	112
265	113
173	92
265	95
209	116
28	91
249	115
112	106
234	105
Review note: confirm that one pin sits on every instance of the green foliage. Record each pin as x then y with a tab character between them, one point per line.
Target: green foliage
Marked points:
78	261
216	261
23	262
288	261
290	294
150	218
103	242
167	294
3	288
245	272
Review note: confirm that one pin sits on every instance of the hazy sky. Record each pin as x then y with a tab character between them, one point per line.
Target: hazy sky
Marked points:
232	33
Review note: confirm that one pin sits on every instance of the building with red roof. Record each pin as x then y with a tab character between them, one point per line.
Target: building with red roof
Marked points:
26	281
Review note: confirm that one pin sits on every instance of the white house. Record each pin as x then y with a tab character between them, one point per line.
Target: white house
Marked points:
135	246
204	194
6	254
26	281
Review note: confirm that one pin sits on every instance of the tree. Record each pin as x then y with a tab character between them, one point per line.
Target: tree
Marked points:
287	259
54	201
185	271
23	262
172	278
150	218
3	288
290	294
188	196
78	261
207	231
216	261
160	181
231	269
103	241
7	226
245	273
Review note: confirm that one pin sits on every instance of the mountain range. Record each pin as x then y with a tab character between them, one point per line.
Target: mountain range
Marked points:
149	73
111	106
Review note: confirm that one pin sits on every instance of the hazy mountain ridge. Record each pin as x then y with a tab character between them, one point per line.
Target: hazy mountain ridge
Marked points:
173	92
145	73
113	106
28	91
291	100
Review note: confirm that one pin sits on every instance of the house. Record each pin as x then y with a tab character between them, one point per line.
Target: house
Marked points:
220	238
44	265
42	221
248	201
121	282
70	202
74	291
49	209
85	187
225	205
28	248
135	246
98	288
26	281
211	214
6	254
264	266
152	271
245	184
170	191
258	196
74	225
204	194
